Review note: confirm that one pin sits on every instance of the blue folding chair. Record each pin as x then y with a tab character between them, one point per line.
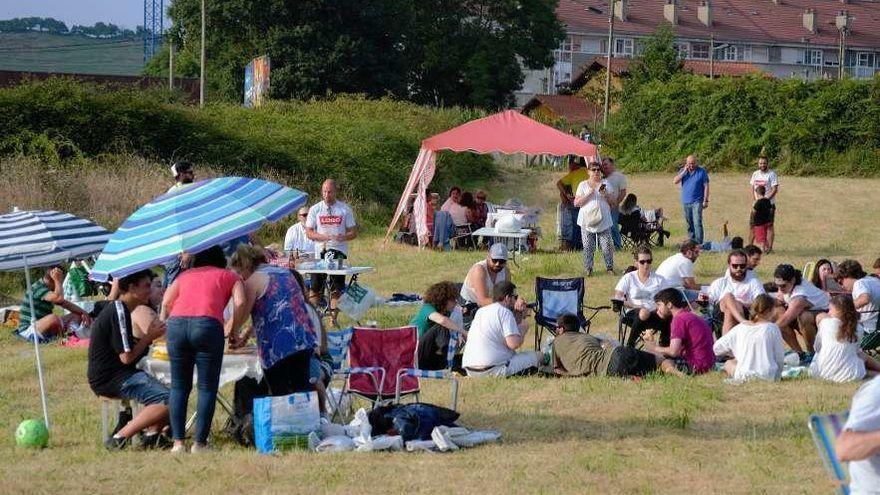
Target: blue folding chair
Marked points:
445	374
338	343
825	430
558	296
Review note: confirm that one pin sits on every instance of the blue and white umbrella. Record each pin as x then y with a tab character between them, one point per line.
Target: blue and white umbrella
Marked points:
204	214
43	238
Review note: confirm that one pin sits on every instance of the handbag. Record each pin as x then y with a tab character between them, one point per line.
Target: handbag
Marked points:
593	214
356	300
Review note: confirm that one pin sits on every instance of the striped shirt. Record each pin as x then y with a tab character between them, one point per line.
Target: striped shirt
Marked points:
42	307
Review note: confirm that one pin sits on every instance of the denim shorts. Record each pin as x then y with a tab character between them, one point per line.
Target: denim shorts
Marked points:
144	389
319	370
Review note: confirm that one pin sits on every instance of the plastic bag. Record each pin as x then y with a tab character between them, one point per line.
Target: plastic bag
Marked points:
282	423
356	300
336	443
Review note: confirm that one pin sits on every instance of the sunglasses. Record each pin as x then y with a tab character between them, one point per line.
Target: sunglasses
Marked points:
738	265
782	285
499	262
303	214
646	262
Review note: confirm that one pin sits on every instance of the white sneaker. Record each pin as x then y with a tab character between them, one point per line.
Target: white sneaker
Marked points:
178	448
200	448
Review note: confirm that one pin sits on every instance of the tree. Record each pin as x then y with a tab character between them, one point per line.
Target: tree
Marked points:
442	52
660	61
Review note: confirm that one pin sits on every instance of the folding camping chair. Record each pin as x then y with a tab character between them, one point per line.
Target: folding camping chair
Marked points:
825	429
385	349
338	345
871	340
558	296
461	237
445	374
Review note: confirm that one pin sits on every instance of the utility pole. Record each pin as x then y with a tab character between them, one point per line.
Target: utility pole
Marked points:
841	54
711	56
170	66
608	65
202	64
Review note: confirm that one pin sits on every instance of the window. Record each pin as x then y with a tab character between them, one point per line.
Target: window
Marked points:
700	50
567	44
774	54
682	50
813	57
623	47
866	59
745	53
730	53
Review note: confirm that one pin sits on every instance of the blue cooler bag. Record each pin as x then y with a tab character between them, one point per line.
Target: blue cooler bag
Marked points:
284	423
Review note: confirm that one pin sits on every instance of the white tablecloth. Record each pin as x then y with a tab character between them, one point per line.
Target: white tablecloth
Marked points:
235	367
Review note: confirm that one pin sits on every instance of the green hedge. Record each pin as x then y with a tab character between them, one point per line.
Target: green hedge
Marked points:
817	128
368	145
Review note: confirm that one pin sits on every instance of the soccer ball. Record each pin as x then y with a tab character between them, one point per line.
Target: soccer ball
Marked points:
32	433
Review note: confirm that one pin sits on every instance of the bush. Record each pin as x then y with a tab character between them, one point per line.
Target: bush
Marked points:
369	146
816	128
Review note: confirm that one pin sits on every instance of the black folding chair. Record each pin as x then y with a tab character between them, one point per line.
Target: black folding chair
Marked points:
558	296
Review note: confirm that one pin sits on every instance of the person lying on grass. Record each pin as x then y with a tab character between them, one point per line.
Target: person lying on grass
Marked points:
838	356
113	355
754	344
690	345
581	354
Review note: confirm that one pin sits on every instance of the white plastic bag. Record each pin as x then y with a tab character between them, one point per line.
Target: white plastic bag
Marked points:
356	300
337	443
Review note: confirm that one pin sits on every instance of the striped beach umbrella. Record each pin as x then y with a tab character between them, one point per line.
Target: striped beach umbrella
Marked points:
46	238
43	238
193	219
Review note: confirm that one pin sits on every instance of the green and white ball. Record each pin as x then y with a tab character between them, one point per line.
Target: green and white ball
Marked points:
32	433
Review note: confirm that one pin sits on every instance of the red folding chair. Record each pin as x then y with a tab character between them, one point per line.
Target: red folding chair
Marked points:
388	349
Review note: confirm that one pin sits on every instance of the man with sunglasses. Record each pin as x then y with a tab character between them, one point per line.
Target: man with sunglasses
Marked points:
495	336
798	302
734	292
483	277
635	291
296	240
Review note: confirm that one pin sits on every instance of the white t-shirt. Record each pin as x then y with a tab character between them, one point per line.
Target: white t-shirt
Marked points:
868	318
744	292
757	349
817	297
329	220
676	268
616	183
296	239
641	294
767	179
456	211
582	190
834	360
485	343
864	417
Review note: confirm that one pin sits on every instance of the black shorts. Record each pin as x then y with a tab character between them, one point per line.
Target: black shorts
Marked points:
626	361
290	374
337	282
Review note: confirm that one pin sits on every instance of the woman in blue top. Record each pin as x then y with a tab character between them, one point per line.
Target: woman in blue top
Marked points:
280	319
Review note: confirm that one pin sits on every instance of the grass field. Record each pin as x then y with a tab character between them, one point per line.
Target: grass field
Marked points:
42	52
586	435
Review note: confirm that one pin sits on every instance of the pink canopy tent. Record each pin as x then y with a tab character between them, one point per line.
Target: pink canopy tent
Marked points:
506	132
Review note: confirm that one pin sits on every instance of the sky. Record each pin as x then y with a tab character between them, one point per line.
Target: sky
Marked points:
124	13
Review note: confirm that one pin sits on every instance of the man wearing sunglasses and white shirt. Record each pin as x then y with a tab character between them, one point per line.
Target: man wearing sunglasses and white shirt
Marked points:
495	336
735	291
297	240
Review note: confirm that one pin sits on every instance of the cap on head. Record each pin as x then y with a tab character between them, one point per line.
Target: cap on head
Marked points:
498	251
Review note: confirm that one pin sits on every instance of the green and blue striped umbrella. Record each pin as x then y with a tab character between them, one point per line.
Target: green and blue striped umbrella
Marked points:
193	219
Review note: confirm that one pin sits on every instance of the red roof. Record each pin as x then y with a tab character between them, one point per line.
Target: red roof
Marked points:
508	132
620	66
574	109
734	20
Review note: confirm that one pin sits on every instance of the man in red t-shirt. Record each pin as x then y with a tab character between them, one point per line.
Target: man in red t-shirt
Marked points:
690	345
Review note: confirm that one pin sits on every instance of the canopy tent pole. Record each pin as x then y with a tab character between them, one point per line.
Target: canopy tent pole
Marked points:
30	296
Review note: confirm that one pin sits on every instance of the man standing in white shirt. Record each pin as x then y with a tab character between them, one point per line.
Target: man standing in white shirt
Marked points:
865	293
495	336
678	269
296	238
617	183
735	291
859	444
766	177
330	224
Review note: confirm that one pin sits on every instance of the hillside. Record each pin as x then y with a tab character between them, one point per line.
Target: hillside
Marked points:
43	52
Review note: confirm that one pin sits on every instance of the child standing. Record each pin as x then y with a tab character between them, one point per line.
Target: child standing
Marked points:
761	219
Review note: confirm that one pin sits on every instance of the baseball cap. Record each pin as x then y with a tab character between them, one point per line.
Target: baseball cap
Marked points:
498	251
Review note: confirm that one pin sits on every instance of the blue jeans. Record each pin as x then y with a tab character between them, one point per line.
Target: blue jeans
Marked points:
615	228
194	342
576	240
693	214
144	389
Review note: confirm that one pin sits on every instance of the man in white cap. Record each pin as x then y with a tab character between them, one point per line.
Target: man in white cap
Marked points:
482	278
183	176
